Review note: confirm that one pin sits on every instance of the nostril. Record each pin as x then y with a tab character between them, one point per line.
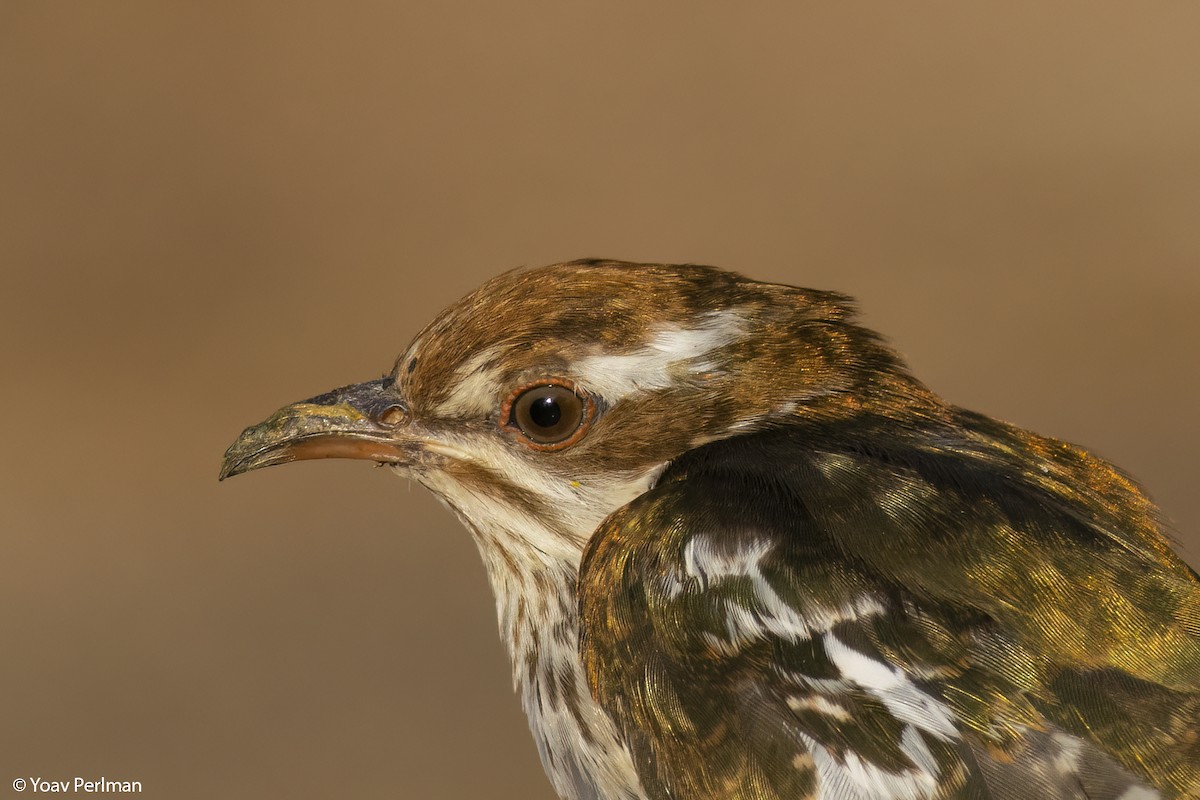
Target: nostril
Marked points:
393	416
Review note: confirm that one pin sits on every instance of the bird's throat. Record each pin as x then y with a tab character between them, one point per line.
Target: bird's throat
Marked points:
532	553
537	607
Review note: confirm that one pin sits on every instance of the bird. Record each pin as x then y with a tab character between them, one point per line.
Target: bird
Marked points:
739	552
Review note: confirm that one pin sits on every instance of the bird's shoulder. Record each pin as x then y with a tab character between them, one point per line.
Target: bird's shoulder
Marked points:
915	612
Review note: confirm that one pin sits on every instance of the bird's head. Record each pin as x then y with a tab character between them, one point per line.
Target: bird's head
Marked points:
548	398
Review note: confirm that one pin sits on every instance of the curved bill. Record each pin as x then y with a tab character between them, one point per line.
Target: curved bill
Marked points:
364	421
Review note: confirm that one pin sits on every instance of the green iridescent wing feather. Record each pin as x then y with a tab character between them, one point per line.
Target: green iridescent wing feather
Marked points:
1017	584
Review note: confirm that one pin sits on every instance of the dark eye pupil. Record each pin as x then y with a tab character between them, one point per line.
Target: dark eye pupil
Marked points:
545	412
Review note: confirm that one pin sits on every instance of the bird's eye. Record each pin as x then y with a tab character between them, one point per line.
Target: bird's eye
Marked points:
552	415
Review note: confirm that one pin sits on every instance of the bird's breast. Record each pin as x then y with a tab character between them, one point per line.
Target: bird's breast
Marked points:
580	748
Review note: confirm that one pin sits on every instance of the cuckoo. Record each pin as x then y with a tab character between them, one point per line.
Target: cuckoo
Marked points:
739	552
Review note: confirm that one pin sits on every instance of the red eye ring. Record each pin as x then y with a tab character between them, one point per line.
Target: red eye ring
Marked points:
534	411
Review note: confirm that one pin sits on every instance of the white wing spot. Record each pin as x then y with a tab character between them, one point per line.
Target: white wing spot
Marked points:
850	777
893	688
708	563
819	704
1067	759
704	561
1140	793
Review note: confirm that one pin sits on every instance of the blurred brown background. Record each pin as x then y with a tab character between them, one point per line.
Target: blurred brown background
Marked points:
207	210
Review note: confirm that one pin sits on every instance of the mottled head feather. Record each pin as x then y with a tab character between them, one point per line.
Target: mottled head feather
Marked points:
675	354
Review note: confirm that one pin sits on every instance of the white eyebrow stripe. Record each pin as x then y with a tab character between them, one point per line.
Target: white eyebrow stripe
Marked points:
655	365
475	383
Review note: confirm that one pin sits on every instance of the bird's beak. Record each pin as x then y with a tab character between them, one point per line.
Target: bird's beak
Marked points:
365	420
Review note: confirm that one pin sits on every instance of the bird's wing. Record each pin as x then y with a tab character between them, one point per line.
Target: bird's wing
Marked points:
808	613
